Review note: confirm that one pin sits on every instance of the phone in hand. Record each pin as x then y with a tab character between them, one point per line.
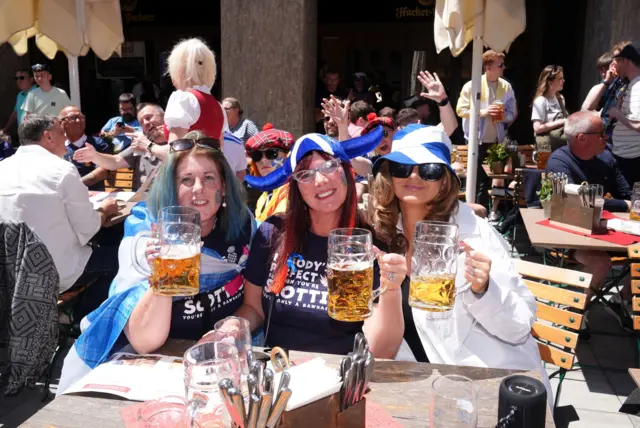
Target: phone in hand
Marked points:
119	124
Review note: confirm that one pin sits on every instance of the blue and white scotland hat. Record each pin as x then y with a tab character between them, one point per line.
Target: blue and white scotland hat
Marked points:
416	144
344	150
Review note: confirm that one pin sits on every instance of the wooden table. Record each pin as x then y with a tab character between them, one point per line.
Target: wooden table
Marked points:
548	237
402	388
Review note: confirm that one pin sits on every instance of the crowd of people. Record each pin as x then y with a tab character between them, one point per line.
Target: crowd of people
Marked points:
267	203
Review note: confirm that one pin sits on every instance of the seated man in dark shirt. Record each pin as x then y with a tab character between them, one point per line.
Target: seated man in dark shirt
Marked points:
584	158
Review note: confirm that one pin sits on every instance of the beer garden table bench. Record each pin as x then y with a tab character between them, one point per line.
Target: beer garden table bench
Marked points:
402	388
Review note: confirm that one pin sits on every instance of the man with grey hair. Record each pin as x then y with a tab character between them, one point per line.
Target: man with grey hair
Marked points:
40	189
584	158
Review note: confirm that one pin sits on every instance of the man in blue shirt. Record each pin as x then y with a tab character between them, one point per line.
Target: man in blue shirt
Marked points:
584	158
24	79
127	122
74	125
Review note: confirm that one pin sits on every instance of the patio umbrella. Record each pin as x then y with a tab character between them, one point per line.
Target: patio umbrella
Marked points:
494	23
71	26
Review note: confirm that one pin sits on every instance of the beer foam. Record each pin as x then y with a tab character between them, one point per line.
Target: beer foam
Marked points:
178	251
350	266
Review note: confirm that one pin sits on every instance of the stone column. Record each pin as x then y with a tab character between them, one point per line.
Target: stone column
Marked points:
268	60
606	23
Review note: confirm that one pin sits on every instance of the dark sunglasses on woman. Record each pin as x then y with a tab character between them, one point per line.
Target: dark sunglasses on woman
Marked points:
427	171
186	144
270	154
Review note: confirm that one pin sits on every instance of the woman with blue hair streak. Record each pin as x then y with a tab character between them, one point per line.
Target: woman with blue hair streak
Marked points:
134	318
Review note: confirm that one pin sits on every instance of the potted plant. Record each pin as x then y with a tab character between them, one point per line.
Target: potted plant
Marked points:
545	192
496	158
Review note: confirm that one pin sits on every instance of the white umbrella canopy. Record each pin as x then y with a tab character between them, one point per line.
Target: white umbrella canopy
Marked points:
492	23
71	26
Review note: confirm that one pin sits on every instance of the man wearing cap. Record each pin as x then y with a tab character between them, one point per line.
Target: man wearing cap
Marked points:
626	132
46	99
493	124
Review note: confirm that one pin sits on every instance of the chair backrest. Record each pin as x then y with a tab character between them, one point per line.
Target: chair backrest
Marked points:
120	180
634	255
560	309
461	154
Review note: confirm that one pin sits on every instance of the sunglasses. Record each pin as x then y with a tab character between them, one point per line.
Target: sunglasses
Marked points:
501	65
427	171
270	154
73	117
602	133
20	77
309	175
182	145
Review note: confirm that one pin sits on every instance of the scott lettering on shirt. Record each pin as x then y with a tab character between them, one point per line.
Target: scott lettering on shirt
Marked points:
217	299
306	285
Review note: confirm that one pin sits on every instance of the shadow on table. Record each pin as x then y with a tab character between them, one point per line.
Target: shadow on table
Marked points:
564	415
406	371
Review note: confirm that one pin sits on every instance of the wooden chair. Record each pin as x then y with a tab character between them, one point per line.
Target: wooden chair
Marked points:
561	302
634	256
120	180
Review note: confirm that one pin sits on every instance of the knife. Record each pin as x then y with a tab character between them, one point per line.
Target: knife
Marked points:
254	408
278	407
285	378
250	358
225	385
268	381
359	380
252	384
238	406
348	387
266	400
368	371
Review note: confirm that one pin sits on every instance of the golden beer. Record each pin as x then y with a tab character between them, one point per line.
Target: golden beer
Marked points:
634	215
433	293
500	116
350	291
176	272
543	157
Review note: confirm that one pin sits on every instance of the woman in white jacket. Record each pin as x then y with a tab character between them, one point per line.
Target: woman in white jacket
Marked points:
490	323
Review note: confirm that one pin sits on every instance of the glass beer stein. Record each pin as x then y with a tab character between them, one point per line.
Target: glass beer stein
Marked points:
434	265
500	117
350	275
176	270
634	212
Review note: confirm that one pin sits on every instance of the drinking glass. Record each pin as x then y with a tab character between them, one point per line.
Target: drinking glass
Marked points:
235	331
350	275
213	351
434	265
634	212
175	411
500	116
176	270
453	403
201	384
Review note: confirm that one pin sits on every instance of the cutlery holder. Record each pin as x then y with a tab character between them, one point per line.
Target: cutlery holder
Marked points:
325	413
567	212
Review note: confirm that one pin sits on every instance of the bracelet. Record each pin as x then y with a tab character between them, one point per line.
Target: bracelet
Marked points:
149	147
605	83
444	102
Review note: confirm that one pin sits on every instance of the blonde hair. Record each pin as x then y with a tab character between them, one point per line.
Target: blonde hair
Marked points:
192	63
387	207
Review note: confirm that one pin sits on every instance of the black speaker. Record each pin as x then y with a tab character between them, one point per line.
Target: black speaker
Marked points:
522	403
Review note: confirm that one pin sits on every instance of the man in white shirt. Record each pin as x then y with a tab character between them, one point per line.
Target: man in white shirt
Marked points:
46	99
626	132
45	192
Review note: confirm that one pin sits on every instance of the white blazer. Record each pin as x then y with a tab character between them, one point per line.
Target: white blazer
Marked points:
489	331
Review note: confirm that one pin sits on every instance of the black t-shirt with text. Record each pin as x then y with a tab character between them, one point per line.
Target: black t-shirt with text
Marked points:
299	319
192	317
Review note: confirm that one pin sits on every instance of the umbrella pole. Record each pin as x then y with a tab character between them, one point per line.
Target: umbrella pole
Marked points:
74	80
474	118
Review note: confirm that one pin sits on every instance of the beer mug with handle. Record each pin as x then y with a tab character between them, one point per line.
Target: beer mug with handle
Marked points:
634	212
176	270
434	264
350	275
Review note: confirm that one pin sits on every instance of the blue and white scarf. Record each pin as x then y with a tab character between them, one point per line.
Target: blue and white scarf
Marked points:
102	327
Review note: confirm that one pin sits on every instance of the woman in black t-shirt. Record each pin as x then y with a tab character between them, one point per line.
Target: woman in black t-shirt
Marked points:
285	283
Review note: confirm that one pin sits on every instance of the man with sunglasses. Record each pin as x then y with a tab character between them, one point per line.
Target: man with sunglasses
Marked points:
45	99
24	80
494	120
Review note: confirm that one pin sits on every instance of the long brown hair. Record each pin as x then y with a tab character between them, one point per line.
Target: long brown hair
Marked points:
548	74
297	220
387	207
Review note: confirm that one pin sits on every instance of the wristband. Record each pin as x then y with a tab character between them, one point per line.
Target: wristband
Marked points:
444	102
605	83
150	146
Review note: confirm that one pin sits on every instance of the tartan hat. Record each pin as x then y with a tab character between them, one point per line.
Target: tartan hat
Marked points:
270	138
343	150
